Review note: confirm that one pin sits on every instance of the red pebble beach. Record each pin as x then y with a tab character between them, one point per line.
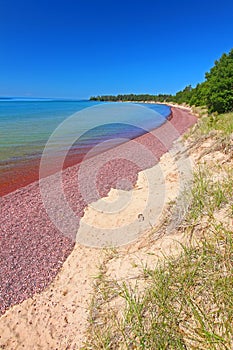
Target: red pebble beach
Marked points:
32	247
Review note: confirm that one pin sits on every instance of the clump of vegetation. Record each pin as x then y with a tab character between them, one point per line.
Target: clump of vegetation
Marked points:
187	301
218	122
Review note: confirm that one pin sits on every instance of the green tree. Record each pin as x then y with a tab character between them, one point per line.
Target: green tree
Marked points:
199	95
183	96
220	85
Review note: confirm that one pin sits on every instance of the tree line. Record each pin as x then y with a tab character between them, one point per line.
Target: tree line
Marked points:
133	97
216	92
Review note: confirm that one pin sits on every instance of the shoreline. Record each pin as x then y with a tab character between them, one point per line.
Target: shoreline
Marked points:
23	172
64	305
33	249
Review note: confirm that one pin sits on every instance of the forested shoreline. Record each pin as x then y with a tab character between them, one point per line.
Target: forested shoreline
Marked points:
216	92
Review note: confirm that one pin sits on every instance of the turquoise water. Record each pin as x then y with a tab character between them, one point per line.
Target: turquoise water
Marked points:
26	125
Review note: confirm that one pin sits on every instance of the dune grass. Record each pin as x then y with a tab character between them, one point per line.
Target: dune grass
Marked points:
219	122
187	301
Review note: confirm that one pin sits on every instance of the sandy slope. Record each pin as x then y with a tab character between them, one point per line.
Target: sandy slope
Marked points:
57	317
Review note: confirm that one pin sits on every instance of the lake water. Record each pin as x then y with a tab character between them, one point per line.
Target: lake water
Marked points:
25	126
77	126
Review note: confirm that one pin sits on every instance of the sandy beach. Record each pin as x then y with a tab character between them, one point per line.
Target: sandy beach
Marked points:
46	275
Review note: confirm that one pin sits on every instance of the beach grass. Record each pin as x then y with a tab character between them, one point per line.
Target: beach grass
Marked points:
185	301
217	122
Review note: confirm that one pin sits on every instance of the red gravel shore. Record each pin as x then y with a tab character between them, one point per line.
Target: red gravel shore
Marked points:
32	248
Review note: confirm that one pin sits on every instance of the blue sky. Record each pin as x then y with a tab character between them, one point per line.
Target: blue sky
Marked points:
75	49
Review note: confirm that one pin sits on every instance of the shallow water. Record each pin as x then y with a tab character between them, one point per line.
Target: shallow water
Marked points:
25	126
83	128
